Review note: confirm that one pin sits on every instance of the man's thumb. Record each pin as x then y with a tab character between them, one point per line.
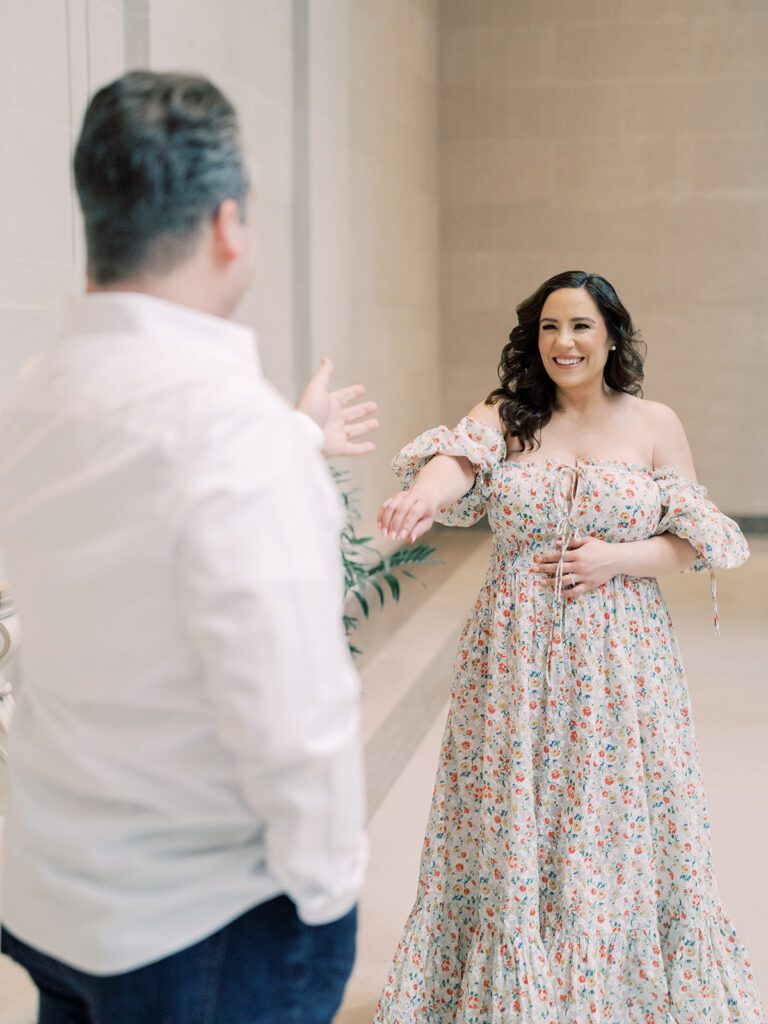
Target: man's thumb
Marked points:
326	369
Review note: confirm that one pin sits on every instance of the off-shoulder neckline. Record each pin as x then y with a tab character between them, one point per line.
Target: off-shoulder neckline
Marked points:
554	461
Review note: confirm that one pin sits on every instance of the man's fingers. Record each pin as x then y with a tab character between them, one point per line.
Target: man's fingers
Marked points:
322	374
355	412
348	394
358	429
360	448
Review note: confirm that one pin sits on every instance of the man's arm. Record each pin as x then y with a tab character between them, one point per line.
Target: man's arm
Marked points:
261	589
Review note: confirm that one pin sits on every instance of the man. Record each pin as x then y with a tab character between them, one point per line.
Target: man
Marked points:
184	840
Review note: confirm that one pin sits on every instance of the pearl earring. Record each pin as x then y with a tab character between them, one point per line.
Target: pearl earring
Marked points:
613	348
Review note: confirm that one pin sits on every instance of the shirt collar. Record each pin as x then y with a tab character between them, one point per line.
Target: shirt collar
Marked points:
139	313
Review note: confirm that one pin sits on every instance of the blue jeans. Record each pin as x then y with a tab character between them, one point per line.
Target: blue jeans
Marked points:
266	967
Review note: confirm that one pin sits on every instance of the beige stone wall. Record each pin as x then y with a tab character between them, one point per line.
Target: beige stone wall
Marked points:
423	165
52	55
245	46
374	213
631	139
338	102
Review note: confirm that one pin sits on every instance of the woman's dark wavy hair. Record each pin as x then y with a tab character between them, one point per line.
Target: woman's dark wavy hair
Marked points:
527	397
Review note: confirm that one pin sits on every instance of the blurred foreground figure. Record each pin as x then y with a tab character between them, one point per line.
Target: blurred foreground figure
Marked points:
185	837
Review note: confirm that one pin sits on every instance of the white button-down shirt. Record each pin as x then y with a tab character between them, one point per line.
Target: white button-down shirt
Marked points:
186	742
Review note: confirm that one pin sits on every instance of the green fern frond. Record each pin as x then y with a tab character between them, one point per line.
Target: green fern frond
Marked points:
366	570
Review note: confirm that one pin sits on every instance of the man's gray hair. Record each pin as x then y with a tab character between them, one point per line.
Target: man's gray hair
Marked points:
156	157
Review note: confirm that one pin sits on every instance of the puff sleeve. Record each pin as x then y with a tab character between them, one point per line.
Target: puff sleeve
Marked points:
687	512
482	445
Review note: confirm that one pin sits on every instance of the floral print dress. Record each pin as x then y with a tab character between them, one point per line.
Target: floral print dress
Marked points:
566	873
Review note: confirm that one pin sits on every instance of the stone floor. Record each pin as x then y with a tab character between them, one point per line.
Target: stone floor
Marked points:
407	652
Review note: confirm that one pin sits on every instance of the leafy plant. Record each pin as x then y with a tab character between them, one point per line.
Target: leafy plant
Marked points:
367	573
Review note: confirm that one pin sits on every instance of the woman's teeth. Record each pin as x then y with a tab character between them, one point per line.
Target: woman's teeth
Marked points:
562	361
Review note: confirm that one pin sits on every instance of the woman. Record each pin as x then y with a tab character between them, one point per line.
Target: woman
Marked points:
566	874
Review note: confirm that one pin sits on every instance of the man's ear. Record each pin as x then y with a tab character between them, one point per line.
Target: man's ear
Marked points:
229	231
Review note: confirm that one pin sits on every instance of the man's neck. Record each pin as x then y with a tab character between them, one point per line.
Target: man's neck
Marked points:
183	290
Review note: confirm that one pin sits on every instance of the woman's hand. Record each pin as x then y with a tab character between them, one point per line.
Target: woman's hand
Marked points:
407	514
587	564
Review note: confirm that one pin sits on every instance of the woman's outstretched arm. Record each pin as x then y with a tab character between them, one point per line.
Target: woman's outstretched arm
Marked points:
444	479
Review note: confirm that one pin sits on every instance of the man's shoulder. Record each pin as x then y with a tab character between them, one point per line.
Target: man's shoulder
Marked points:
231	398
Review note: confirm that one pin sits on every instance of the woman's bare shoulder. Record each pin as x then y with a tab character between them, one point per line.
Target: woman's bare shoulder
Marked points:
670	442
488	414
658	417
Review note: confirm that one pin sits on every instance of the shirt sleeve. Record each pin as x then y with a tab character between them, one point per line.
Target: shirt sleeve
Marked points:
261	588
482	445
312	431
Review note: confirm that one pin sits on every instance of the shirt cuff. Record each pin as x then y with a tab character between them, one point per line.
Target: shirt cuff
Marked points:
312	432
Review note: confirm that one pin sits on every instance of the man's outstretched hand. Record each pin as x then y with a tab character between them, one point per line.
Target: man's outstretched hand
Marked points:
339	421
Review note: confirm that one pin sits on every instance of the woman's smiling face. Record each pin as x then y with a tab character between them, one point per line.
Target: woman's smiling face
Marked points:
573	339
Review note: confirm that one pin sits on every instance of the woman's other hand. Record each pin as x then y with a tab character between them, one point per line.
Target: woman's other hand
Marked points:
588	563
407	514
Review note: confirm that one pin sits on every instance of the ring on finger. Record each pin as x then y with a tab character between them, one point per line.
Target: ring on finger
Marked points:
570	577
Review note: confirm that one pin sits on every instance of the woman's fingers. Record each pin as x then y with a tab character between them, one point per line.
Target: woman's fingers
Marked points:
415	514
547	575
394	511
389	513
547	558
387	510
421	528
581	588
577	542
407	517
548	563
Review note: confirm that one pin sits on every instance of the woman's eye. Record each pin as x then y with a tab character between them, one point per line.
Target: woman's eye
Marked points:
547	327
585	326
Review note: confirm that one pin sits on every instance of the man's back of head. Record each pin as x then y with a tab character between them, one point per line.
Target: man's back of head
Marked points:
163	186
